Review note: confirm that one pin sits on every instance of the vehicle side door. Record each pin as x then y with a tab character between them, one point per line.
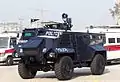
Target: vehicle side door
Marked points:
82	46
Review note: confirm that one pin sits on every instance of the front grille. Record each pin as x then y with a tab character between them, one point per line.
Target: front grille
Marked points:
31	51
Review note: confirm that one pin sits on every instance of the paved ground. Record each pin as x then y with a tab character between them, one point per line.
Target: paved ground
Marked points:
111	74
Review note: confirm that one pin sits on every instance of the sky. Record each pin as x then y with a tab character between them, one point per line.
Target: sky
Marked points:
82	12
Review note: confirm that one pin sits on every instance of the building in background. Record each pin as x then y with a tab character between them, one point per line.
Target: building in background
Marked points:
10	26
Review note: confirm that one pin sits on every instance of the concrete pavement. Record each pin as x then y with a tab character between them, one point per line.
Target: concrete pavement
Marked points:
111	74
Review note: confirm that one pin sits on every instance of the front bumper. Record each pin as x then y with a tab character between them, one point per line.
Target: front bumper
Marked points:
3	59
16	59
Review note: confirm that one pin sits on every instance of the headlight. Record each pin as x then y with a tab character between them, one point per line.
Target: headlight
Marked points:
22	41
21	50
52	55
44	50
2	54
16	55
19	46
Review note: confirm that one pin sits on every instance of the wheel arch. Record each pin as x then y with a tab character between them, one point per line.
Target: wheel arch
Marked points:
71	55
103	53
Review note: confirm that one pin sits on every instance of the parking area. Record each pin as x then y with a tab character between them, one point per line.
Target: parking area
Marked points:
111	74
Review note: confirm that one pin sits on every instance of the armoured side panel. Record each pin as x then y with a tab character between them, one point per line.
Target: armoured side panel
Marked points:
82	46
33	46
65	40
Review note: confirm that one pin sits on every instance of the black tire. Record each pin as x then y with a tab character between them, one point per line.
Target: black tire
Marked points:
98	65
9	61
24	72
64	68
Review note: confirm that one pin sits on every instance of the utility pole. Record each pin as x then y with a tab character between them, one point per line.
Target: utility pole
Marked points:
42	14
21	25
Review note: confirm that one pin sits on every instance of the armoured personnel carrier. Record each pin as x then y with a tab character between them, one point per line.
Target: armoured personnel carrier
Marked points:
55	47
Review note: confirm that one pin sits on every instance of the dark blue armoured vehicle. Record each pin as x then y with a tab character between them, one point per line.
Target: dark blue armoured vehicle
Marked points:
56	48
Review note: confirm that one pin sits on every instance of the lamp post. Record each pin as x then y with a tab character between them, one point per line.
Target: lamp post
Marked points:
21	24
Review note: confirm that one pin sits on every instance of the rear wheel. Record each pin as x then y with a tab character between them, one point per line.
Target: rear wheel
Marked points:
9	61
98	65
64	68
25	72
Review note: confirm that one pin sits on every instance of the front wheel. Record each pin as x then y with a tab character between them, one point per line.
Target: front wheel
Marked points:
9	61
98	65
25	72
64	68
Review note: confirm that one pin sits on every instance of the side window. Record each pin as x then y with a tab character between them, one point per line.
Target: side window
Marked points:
104	39
90	36
41	32
94	37
111	40
118	40
13	41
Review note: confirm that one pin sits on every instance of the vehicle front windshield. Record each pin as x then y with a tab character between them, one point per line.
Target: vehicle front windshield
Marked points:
27	35
4	42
